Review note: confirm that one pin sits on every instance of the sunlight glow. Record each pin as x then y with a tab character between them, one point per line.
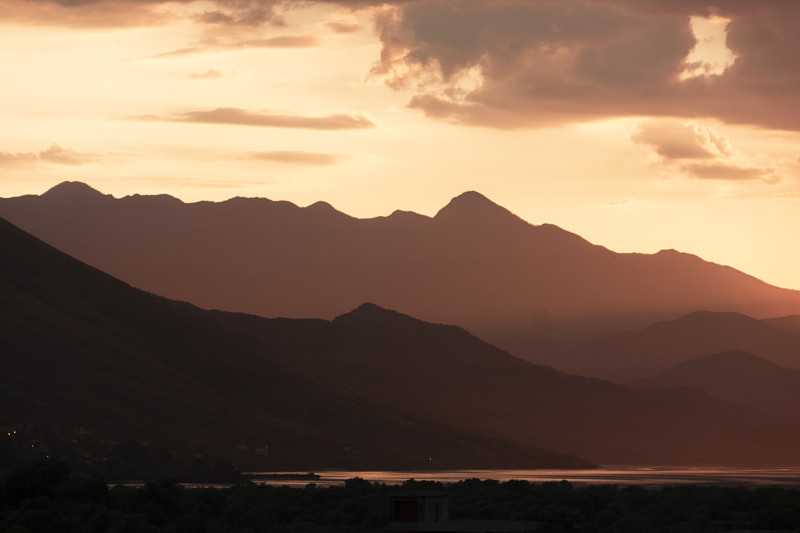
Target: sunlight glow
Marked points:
710	56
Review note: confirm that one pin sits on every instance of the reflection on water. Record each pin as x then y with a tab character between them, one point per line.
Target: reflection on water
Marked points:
645	476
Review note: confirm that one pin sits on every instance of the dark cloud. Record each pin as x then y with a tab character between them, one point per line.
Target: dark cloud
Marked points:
543	62
251	13
54	154
516	63
242	117
295	157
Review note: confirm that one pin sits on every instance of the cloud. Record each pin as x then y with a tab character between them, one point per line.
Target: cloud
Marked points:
529	62
282	41
295	157
718	171
239	13
232	14
542	62
343	27
91	13
675	140
697	151
14	159
209	74
54	154
242	117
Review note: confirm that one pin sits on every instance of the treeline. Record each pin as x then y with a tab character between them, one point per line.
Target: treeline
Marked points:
47	497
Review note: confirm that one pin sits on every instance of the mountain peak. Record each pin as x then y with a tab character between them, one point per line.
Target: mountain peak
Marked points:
472	206
72	190
370	313
324	208
366	309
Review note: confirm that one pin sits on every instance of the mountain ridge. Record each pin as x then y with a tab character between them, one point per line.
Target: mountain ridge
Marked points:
643	353
474	264
86	349
739	377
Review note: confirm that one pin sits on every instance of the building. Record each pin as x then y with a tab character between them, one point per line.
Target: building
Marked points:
429	511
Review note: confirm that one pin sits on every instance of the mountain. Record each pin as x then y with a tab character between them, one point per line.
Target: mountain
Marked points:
443	373
738	377
786	323
373	388
81	349
625	356
474	264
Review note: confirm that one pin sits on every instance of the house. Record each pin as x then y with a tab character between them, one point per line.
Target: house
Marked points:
429	511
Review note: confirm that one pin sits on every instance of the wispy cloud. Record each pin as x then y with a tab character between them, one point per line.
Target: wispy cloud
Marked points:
294	157
242	117
719	171
209	74
343	27
281	41
54	154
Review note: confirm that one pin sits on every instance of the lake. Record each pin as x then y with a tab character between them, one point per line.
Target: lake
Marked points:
613	475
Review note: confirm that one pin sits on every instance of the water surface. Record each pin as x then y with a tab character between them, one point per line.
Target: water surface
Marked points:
651	476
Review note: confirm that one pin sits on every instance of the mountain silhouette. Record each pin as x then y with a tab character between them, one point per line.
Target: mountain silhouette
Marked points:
474	264
739	377
626	356
82	349
373	388
787	323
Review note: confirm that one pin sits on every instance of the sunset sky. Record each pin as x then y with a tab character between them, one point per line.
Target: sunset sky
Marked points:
638	124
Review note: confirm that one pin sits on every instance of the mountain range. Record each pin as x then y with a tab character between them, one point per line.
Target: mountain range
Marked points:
643	353
738	377
371	388
520	286
81	349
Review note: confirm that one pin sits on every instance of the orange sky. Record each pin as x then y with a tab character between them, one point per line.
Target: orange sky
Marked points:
639	124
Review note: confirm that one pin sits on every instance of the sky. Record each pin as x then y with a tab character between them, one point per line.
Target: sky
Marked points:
641	125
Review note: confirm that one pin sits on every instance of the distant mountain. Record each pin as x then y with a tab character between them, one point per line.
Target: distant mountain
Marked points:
738	377
622	357
371	389
474	264
786	323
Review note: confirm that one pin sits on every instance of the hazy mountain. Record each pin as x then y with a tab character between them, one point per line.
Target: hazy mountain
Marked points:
738	377
443	373
786	323
474	264
372	388
629	355
81	349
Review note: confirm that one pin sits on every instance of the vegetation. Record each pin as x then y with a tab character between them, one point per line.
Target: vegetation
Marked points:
47	496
